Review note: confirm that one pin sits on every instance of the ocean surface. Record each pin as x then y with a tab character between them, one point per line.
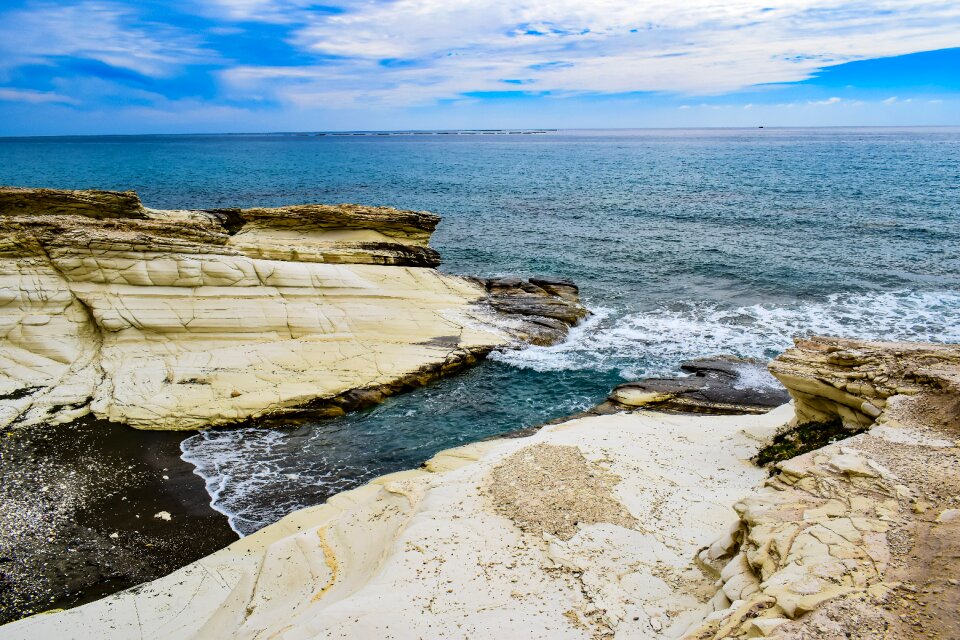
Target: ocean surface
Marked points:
685	243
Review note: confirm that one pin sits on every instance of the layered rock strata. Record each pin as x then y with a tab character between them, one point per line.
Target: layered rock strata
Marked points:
190	319
860	382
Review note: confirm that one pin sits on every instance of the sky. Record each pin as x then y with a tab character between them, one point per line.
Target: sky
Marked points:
190	66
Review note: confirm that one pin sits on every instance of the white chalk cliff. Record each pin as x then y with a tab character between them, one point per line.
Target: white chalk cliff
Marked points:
190	319
631	525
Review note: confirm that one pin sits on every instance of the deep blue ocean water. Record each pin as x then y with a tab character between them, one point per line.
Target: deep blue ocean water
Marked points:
685	243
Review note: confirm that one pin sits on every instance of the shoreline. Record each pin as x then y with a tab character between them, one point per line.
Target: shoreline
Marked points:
320	554
80	504
644	523
136	461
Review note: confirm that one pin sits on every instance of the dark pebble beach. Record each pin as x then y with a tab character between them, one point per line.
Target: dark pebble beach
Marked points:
80	513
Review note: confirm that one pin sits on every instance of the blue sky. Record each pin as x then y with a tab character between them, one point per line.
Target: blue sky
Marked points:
152	66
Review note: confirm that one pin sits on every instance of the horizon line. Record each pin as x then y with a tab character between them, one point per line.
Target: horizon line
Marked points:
467	131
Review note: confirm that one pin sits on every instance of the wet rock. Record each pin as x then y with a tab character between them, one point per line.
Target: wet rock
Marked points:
559	287
543	309
718	385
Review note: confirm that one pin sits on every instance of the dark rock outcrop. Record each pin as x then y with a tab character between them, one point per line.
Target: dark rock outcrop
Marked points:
718	385
546	308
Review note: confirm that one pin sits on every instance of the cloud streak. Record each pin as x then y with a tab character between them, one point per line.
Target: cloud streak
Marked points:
104	32
33	97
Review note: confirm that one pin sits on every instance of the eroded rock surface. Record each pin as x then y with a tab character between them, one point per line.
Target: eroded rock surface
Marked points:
188	319
861	382
854	540
857	539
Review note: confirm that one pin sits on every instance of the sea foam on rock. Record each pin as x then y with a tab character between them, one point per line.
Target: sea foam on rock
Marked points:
190	319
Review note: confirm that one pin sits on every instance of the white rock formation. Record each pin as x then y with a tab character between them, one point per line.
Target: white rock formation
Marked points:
188	319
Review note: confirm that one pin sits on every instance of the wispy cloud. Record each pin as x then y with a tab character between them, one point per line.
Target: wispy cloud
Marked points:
269	11
33	97
828	101
105	32
897	100
606	46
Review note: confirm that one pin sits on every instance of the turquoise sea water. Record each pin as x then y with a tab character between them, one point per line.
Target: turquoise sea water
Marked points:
685	243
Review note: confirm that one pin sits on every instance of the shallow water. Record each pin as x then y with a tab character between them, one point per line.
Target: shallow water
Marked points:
685	243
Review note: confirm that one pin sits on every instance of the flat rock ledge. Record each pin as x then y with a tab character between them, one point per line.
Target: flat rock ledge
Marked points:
715	385
631	525
719	385
190	319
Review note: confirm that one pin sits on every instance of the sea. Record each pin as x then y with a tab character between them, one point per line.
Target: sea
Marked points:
685	243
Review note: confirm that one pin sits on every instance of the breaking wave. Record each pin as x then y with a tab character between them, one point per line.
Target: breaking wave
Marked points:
655	342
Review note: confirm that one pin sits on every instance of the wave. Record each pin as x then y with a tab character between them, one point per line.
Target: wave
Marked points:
655	342
254	476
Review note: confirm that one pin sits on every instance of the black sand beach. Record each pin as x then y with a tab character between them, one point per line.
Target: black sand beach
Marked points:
80	513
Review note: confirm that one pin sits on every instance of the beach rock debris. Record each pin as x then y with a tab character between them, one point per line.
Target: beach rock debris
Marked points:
549	489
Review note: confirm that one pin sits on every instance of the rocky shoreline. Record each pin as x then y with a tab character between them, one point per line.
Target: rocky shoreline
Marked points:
712	505
114	314
633	524
137	474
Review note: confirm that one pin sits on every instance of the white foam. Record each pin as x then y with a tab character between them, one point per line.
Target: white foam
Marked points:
655	342
255	476
217	457
755	377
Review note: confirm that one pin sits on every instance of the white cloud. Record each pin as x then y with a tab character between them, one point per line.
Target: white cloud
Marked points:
828	101
33	97
569	46
93	30
896	100
271	11
394	53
